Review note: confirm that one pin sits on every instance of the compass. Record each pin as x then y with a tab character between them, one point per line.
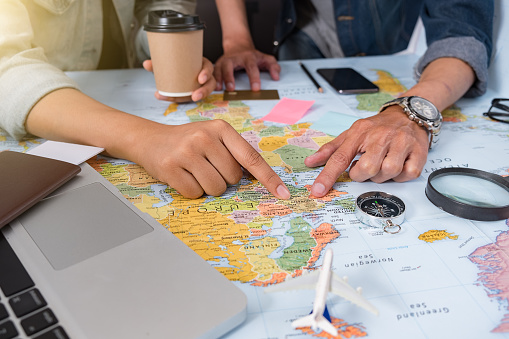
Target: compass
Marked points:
380	209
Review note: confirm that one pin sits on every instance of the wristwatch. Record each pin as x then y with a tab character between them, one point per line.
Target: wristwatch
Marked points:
423	112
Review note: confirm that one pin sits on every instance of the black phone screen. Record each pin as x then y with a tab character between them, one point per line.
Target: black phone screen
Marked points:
347	81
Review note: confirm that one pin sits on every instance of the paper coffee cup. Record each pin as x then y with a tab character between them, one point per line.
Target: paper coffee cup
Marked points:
176	49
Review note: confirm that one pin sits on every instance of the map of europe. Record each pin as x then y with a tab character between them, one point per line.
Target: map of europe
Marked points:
238	230
442	277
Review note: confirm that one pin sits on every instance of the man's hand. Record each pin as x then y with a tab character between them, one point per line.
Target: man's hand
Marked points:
249	59
205	79
203	157
391	147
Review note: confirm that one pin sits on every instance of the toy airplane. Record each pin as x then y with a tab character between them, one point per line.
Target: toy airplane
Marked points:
324	281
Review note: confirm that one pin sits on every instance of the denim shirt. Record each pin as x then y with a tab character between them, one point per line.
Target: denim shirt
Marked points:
454	28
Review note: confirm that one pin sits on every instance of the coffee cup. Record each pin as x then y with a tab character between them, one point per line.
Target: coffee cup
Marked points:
176	49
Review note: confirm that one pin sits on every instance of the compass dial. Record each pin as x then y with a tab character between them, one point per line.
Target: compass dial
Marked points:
380	209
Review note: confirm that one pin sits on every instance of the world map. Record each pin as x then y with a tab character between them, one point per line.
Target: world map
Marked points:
250	236
441	277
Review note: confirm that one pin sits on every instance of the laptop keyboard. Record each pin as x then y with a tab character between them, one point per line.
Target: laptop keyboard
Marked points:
23	309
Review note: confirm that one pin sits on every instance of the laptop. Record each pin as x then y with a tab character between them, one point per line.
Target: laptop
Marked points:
85	263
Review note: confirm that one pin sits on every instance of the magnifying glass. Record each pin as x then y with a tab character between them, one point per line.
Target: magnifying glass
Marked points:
469	193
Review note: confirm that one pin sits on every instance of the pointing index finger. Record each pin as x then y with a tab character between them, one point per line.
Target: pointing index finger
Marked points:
253	162
337	164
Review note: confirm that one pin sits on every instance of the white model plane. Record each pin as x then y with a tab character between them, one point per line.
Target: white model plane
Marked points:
324	281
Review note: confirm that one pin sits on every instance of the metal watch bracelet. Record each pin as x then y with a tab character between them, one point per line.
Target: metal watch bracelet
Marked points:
430	118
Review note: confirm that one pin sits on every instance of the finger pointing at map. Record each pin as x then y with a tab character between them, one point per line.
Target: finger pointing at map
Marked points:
205	157
252	161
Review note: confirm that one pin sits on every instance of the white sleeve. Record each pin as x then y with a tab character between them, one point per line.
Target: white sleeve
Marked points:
25	74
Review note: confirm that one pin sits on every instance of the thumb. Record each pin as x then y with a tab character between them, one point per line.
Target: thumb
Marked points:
147	64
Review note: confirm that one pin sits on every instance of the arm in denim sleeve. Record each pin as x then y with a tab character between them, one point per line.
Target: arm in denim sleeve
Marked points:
460	29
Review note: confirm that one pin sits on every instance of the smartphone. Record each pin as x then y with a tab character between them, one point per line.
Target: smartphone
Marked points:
347	81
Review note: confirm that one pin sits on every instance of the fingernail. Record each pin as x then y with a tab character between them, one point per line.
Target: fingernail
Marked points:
219	86
204	79
312	160
311	156
230	86
255	86
318	190
198	96
283	192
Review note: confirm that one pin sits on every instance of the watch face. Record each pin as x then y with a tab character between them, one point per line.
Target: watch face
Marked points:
424	108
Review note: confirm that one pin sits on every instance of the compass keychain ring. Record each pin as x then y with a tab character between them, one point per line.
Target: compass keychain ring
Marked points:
380	209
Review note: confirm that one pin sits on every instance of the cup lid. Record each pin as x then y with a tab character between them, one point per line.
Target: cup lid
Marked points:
168	21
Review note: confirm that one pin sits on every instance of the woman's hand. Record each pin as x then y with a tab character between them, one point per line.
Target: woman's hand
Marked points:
202	157
205	79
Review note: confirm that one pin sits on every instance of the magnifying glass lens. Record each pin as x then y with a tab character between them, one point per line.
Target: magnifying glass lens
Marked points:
470	190
469	193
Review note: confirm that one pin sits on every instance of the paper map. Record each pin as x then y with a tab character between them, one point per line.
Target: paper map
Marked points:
440	277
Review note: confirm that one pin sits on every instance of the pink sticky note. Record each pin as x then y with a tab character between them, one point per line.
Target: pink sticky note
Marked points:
288	111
